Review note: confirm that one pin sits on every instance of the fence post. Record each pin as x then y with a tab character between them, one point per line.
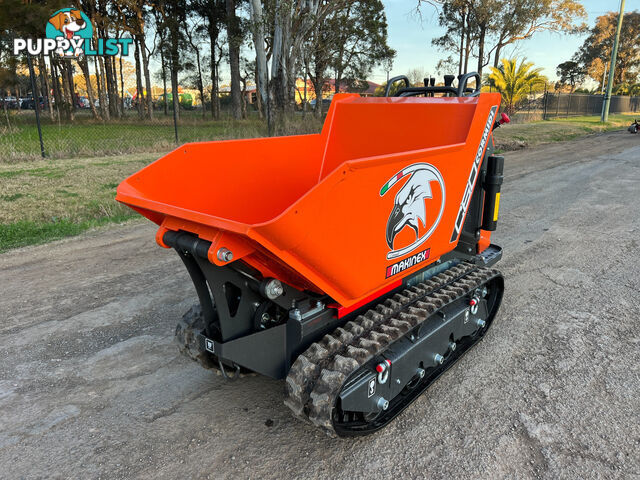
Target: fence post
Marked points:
36	103
568	105
546	97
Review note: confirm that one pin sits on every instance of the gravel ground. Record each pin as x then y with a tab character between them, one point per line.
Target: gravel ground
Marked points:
91	385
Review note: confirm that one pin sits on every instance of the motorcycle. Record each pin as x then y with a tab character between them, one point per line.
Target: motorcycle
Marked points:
634	127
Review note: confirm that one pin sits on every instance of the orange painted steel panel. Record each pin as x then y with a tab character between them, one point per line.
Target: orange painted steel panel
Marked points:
374	197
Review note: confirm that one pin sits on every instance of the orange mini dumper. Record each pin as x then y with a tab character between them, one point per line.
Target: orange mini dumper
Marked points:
355	263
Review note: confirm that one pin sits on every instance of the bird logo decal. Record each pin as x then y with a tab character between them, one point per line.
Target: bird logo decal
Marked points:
410	205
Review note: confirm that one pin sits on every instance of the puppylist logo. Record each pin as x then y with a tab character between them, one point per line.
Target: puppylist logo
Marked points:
69	34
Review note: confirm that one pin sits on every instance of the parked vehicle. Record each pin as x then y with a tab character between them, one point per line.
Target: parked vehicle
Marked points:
83	102
326	102
11	103
29	103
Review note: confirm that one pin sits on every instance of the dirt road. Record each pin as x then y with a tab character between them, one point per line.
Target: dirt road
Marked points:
91	385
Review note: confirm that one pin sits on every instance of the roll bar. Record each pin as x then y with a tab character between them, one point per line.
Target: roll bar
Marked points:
460	91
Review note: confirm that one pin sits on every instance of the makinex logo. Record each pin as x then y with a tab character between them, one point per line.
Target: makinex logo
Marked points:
70	34
413	218
407	263
475	168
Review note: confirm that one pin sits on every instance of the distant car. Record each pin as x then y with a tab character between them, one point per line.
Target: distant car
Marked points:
82	102
325	103
11	103
29	104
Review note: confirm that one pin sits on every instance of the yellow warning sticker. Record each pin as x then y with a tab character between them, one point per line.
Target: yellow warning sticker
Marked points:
497	206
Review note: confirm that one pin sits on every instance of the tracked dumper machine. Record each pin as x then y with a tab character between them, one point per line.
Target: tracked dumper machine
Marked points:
356	264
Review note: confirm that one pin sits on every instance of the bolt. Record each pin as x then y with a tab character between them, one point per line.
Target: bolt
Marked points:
398	381
382	403
481	323
439	359
265	317
273	289
452	346
225	255
421	372
412	337
319	304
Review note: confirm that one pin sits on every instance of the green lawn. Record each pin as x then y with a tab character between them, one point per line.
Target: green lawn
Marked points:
44	200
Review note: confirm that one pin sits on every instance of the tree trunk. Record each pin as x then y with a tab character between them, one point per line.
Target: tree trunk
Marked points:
87	78
147	77
121	86
234	39
496	59
104	107
467	51
140	93
56	87
213	40
304	100
200	83
481	36
45	83
318	83
258	96
72	88
244	96
68	101
462	37
175	95
164	77
261	56
111	91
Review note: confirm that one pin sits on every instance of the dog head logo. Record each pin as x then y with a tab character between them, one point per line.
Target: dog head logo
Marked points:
412	207
70	24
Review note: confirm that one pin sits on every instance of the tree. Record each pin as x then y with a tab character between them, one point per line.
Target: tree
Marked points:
290	23
173	15
213	12
515	81
570	73
595	53
482	28
361	40
234	37
193	34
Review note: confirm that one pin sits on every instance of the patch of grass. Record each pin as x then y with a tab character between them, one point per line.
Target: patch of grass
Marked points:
25	232
524	135
10	173
66	193
50	199
12	198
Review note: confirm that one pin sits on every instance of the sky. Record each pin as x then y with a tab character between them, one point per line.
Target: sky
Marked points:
411	38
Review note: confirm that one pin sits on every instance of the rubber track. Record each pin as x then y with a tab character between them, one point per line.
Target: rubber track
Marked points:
317	376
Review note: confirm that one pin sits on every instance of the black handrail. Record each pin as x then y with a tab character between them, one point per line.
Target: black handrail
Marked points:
394	80
460	91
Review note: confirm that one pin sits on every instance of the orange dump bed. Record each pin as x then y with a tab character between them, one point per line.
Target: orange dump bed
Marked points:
346	212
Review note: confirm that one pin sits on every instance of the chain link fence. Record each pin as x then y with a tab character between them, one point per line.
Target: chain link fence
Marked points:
569	105
84	135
